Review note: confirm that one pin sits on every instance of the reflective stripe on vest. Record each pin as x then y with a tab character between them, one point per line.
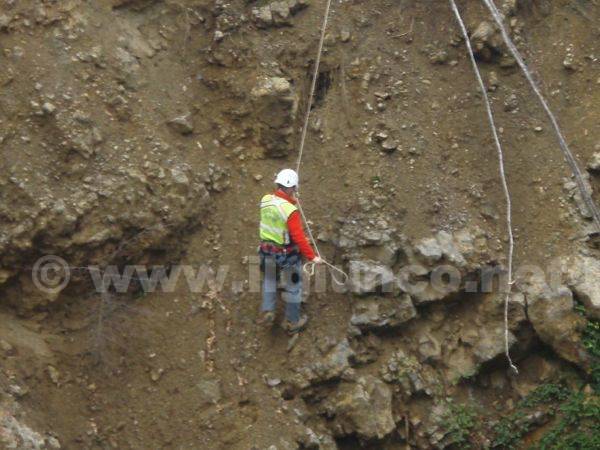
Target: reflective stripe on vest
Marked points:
274	213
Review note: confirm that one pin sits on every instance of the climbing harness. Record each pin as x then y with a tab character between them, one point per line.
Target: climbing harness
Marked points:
585	195
502	176
309	267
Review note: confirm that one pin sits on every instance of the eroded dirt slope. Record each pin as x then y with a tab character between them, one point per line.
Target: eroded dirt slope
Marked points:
146	131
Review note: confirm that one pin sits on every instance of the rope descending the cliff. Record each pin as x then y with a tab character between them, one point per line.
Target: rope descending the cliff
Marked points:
309	267
313	86
502	177
568	155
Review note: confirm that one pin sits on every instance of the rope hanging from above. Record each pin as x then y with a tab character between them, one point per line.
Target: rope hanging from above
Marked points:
509	228
568	155
309	267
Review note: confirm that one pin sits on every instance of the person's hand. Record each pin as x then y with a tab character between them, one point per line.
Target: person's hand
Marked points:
318	260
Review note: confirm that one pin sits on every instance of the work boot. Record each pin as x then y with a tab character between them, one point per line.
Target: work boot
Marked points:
293	328
267	319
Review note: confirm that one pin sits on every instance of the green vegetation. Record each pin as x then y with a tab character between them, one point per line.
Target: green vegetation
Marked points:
510	430
545	393
591	342
577	424
459	423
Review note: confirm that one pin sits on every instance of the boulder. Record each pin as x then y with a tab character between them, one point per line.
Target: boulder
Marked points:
128	72
447	248
330	367
583	277
429	250
438	264
420	285
555	321
182	124
387	254
365	409
476	345
460	363
15	434
262	16
594	164
455	247
275	104
368	277
277	13
210	391
297	5
406	372
490	343
382	312
516	308
4	22
281	13
310	439
365	237
488	44
574	193
133	41
429	348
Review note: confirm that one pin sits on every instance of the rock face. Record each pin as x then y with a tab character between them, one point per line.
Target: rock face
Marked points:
443	261
594	164
406	372
14	434
454	249
181	124
96	181
147	205
364	408
363	237
332	366
555	321
368	277
381	261
275	104
134	4
477	345
583	277
574	194
375	313
113	116
488	44
489	343
277	13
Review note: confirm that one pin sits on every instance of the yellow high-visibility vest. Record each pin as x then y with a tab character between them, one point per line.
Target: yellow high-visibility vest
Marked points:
274	214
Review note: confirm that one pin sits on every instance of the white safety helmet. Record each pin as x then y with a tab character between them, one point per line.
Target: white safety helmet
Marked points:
287	178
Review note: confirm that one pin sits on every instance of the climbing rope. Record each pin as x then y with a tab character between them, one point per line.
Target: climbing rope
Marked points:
502	176
585	195
309	267
313	86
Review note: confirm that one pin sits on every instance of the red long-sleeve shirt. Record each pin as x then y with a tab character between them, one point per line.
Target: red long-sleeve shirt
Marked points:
295	229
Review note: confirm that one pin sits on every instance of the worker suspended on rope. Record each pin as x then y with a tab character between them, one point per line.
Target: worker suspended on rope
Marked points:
282	246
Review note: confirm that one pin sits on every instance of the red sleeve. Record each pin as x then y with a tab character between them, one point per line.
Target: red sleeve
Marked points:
298	237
